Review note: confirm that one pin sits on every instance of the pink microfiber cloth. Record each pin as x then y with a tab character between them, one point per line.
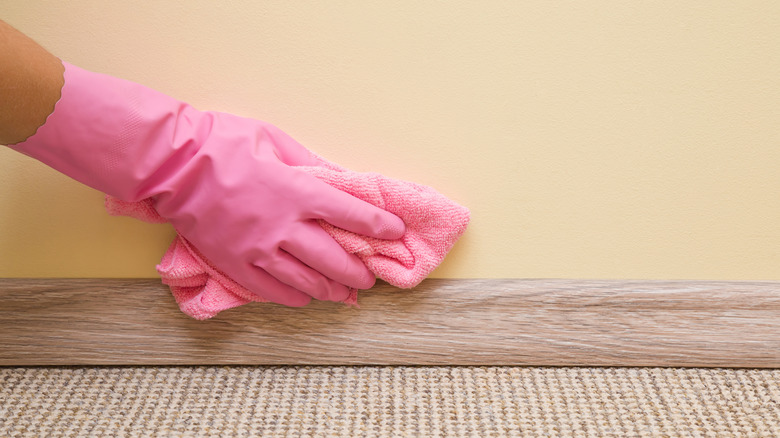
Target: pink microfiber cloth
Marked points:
433	225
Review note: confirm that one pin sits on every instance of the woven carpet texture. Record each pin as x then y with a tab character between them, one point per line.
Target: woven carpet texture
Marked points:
388	402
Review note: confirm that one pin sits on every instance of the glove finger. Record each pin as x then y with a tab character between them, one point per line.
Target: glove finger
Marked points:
313	246
262	283
358	216
287	149
296	274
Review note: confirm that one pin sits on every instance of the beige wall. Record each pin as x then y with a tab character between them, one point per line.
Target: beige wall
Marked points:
590	139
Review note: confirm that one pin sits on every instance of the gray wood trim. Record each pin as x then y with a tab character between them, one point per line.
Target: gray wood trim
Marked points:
441	322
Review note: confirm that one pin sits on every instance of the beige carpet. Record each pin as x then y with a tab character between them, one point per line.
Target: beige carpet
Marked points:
388	401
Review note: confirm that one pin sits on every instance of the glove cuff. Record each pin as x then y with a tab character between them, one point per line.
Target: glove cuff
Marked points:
114	135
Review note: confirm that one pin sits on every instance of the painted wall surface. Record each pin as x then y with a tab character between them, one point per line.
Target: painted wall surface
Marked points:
590	139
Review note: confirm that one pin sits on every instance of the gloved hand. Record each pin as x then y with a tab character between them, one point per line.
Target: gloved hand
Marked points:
226	183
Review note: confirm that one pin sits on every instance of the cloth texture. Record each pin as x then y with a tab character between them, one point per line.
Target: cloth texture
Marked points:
393	402
433	225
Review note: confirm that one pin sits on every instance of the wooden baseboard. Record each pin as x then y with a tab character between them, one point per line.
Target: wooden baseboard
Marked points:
441	322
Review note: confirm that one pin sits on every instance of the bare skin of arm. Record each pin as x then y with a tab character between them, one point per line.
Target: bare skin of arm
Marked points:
30	84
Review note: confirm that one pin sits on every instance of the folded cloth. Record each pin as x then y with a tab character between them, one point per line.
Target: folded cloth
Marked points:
433	225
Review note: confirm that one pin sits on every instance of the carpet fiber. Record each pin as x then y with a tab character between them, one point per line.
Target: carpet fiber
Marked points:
388	401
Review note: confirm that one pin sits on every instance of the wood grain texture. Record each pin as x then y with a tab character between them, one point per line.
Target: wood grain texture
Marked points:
441	322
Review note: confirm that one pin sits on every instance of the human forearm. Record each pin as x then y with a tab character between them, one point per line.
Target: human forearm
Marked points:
30	84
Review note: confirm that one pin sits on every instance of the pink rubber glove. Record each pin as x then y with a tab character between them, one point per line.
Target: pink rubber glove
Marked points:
224	182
